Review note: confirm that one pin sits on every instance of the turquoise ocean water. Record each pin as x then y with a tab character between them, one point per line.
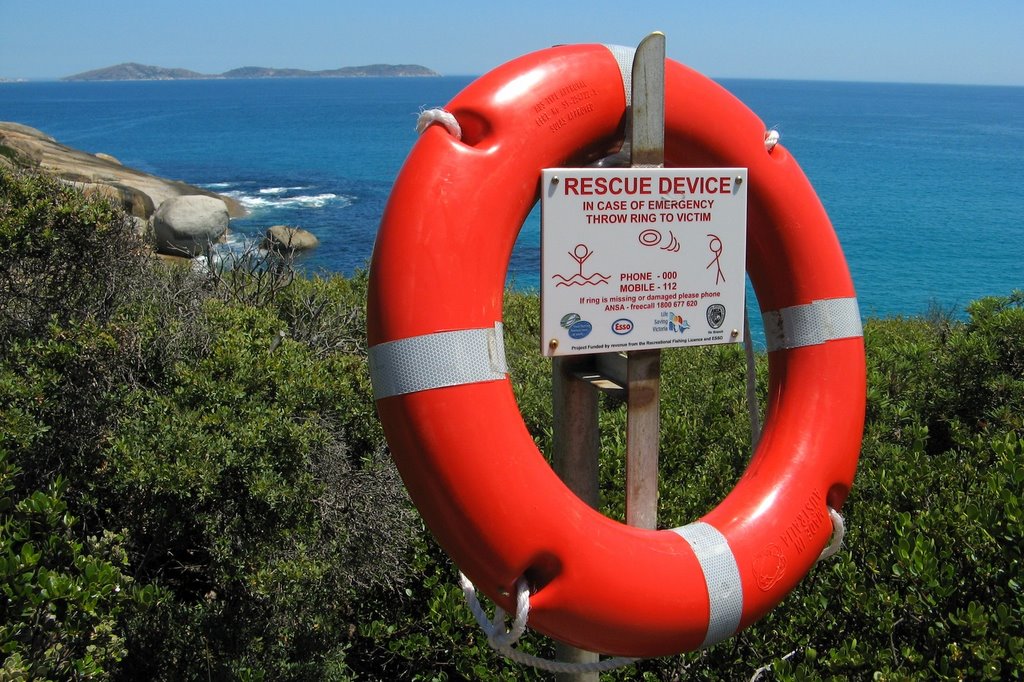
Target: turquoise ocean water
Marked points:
922	182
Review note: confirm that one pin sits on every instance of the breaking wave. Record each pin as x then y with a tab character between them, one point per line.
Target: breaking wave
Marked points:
256	198
278	199
280	190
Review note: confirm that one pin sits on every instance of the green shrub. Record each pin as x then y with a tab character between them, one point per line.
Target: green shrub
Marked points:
328	315
57	403
243	499
63	598
982	378
61	255
245	475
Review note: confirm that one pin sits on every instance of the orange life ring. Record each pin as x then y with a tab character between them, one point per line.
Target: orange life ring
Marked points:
446	402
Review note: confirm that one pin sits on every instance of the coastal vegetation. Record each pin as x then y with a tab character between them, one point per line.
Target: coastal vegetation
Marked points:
194	485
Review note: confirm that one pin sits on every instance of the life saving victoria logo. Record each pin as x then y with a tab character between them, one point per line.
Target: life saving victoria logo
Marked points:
577	327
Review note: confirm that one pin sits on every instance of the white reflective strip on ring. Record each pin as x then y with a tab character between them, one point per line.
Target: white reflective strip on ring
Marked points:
420	363
721	577
624	56
813	323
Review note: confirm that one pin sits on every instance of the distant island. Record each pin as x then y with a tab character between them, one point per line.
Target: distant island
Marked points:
141	72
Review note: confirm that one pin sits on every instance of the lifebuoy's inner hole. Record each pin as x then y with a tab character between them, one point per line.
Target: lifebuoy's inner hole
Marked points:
705	432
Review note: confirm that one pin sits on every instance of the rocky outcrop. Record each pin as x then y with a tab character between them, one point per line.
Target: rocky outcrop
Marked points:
285	239
107	157
132	71
188	225
140	193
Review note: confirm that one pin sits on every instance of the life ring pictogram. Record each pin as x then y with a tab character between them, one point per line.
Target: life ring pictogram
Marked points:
446	402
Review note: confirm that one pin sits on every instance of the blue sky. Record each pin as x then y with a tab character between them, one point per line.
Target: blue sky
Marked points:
869	40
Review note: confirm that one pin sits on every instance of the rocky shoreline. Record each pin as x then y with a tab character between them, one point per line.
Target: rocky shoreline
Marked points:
182	218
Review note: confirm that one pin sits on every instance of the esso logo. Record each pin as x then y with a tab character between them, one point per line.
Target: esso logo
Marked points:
622	326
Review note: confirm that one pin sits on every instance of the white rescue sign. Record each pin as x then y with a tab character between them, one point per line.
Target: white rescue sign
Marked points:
641	258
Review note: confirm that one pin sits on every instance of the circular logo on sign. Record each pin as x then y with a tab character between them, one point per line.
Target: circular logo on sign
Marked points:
580	329
622	326
769	566
716	315
569	320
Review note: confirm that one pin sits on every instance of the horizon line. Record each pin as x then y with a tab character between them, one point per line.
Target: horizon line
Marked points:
216	77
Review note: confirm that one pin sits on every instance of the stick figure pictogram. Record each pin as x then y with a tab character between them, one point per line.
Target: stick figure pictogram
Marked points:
715	245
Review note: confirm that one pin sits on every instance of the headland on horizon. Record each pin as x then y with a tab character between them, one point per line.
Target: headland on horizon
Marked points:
131	71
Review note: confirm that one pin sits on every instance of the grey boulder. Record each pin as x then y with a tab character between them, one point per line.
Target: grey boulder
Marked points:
285	239
188	225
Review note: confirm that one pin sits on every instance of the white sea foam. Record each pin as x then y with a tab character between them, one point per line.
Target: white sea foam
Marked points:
279	190
274	200
315	201
234	246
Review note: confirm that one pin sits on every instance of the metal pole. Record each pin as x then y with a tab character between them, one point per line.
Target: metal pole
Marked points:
576	446
642	425
575	458
576	441
643	368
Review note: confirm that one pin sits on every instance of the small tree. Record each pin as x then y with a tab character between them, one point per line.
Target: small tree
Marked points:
61	255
